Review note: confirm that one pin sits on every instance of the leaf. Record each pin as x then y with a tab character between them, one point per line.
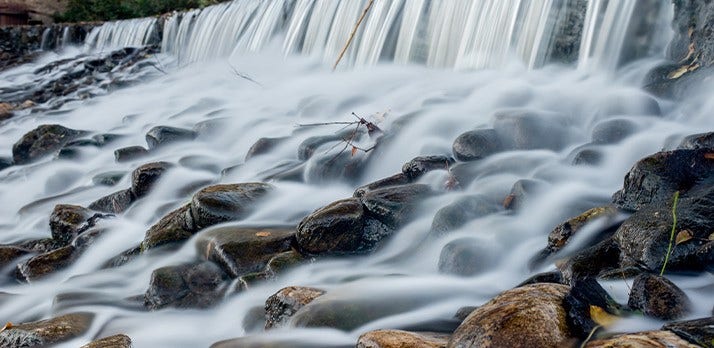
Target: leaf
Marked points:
709	155
683	236
263	234
601	317
8	325
711	236
354	150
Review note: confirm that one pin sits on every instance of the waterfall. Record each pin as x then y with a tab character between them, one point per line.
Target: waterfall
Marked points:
461	34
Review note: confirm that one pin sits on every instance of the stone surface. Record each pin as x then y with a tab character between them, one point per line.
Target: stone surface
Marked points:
177	226
460	212
263	146
116	341
402	339
394	180
68	221
529	316
465	257
225	202
44	264
421	165
697	331
647	339
41	142
395	205
286	302
46	332
164	135
115	203
9	253
197	285
561	234
240	250
145	176
528	130
476	144
612	131
658	297
130	153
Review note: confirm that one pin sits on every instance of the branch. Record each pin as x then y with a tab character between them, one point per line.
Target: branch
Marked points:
244	76
352	35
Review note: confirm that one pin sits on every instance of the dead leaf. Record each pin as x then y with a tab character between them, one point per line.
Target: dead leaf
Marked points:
709	155
263	234
683	236
601	317
354	150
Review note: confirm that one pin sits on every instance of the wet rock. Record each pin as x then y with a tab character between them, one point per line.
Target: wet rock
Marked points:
658	297
116	341
529	316
286	302
697	141
476	144
655	178
612	131
44	264
221	203
248	281
647	339
163	135
6	162
585	297
144	177
241	250
400	339
42	141
698	331
419	166
177	226
6	111
108	178
115	203
328	167
284	261
130	153
9	253
123	258
555	277
561	234
199	285
463	210
46	332
586	155
395	205
464	257
308	147
592	261
394	180
463	312
254	320
263	146
528	130
270	341
339	228
521	192
68	221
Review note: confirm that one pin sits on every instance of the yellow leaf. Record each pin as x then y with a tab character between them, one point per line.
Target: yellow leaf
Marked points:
601	317
263	234
683	236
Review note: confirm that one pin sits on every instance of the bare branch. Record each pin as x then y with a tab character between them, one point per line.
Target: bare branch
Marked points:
352	35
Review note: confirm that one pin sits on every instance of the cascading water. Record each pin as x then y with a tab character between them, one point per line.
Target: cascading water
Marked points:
421	110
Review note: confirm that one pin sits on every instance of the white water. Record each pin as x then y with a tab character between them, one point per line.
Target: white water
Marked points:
439	104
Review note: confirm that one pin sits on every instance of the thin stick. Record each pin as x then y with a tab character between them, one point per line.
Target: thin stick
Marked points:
352	35
590	336
671	234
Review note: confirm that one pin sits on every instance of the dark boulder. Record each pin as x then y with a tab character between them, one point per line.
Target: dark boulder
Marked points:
395	205
42	141
116	341
227	202
613	131
465	257
284	261
591	261
263	146
476	144
697	331
282	305
44	264
421	165
164	135
394	180
563	233
588	307
177	226
197	285
115	203
6	162
697	141
460	212
242	250
10	253
46	332
68	221
130	153
658	297
144	177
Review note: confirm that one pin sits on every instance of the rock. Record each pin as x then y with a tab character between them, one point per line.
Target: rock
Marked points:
465	257
68	221
697	331
658	297
528	130
591	261
282	305
476	144
254	320
589	306
130	153
334	166
41	265
561	235
402	339
340	228
6	162
308	147
241	250
521	193
697	141
163	135
586	155
42	141
125	257
612	131
6	111
647	339
144	177
46	332
284	261
115	203
116	341
263	146
555	277
197	285
228	202
529	316
460	212
395	205
419	166
108	178
463	312
394	180
248	281
655	178
271	341
175	227
9	253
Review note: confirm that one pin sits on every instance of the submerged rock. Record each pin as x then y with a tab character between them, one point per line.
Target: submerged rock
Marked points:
402	339
42	141
421	165
130	153
561	234
529	316
10	253
115	203
44	264
697	331
465	257
476	144
46	332
613	131
647	339
198	285
116	341
658	297
146	176
68	221
528	130
164	135
263	146
460	212
286	302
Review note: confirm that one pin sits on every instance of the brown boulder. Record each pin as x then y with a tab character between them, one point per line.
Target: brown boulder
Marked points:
402	339
648	339
283	304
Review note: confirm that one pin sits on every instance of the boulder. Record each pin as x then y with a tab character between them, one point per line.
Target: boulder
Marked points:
658	297
697	141
528	316
613	131
164	135
460	212
561	234
42	141
115	203
402	339
521	193
68	221
647	339
226	202
529	130
394	180
144	177
10	253
476	144
263	146
116	341
44	264
240	250
284	261
196	285
697	331
6	162
46	332
286	302
591	262
395	205
177	226
465	257
108	178
421	165
130	153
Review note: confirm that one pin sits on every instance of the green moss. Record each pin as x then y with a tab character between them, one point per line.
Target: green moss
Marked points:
105	10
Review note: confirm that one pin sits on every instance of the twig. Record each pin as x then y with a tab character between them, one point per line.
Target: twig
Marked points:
671	234
244	76
352	35
590	336
324	124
